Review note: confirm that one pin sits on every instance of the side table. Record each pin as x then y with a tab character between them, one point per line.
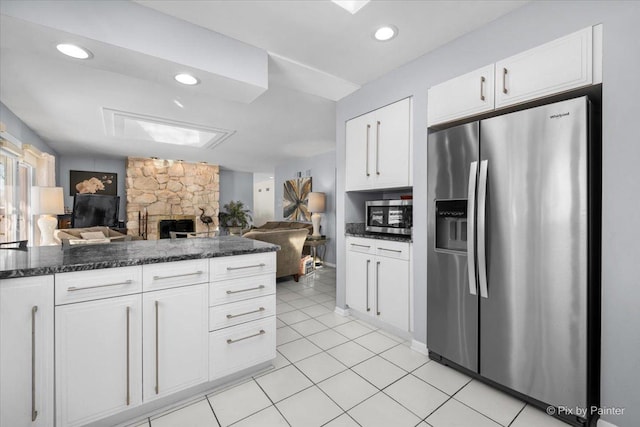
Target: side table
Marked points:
313	243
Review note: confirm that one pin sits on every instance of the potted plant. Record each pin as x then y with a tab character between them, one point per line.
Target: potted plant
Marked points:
235	217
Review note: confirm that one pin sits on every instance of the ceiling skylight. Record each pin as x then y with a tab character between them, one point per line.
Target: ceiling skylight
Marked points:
351	6
136	127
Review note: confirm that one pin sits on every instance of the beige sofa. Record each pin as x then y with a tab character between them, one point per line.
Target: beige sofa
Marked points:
76	234
290	236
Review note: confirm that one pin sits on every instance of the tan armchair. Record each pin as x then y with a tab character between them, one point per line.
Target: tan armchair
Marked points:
291	243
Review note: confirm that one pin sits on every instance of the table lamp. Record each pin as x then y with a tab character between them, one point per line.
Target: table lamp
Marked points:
316	206
47	201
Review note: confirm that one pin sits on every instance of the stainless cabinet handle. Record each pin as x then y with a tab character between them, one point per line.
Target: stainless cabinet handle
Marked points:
471	234
231	316
262	264
482	80
390	250
377	148
84	288
262	332
196	273
246	290
34	412
377	287
504	81
361	246
367	285
367	151
157	353
128	356
482	204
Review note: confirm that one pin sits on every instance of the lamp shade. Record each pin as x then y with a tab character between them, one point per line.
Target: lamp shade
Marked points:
316	202
47	201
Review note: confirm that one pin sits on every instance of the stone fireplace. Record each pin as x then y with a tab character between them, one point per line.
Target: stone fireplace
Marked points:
170	190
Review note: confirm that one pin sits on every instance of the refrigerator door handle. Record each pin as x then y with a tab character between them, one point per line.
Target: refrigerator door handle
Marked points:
482	242
471	235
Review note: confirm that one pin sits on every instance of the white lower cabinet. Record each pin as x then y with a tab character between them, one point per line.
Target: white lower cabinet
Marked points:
240	347
175	344
98	359
378	280
26	352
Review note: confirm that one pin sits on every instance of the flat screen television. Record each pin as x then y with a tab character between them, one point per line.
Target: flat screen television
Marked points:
90	210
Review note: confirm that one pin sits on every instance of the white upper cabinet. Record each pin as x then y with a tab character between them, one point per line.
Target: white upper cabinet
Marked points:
392	152
462	96
555	67
378	148
358	143
570	62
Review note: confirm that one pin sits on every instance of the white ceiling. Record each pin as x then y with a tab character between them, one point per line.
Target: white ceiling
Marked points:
318	53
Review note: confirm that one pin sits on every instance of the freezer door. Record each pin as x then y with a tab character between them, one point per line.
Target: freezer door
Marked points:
533	323
452	309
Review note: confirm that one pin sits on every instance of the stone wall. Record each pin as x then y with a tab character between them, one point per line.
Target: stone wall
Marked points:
170	189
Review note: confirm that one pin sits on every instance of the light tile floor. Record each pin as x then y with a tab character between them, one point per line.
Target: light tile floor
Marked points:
338	371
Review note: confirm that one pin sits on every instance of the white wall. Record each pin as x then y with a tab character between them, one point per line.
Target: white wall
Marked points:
263	201
322	170
118	166
532	25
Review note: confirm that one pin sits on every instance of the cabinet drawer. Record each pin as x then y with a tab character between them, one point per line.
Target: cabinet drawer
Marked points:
173	274
357	244
233	290
93	284
226	315
240	347
230	267
391	249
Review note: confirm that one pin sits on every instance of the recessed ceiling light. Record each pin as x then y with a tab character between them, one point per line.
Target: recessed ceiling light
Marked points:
385	33
73	51
186	79
351	5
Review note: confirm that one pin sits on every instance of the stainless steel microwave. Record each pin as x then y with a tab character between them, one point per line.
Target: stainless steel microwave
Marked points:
389	216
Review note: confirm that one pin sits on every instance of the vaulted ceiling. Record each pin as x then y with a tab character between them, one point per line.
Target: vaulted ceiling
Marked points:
270	71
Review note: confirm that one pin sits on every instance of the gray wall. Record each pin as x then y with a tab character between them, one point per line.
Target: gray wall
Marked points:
118	166
532	25
21	131
322	170
235	186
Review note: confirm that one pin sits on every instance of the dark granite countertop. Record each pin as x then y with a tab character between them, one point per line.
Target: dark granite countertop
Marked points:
357	229
38	261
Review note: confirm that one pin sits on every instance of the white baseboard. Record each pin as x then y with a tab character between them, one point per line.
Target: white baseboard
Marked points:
420	347
342	311
603	423
328	264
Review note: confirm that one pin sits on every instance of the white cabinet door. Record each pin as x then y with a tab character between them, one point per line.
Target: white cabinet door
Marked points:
98	359
359	279
390	156
392	291
359	141
463	96
26	352
554	67
175	344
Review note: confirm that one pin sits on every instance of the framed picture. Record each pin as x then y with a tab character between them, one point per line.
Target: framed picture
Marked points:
296	199
85	182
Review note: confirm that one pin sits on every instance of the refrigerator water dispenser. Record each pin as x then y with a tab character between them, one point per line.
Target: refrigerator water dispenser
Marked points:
451	225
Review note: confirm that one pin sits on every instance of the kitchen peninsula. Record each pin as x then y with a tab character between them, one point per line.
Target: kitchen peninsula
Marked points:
139	326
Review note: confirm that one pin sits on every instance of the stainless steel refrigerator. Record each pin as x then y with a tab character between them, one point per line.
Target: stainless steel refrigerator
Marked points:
512	277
